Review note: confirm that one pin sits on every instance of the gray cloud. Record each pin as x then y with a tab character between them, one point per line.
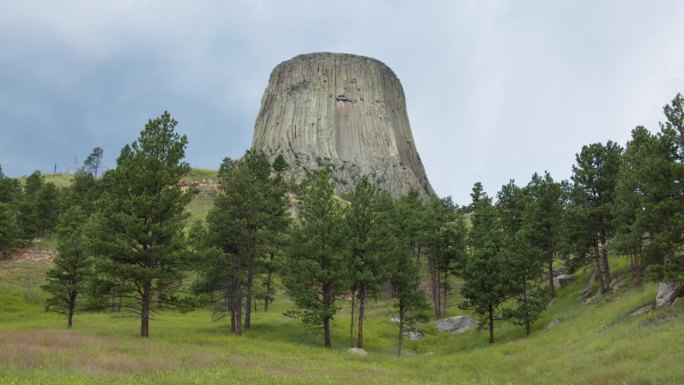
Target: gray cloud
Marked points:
495	90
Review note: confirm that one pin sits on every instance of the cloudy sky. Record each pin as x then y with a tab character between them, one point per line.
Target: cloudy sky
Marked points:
496	90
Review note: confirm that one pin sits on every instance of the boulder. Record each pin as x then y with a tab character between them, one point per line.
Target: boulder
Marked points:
641	311
457	324
668	292
358	352
585	294
563	280
554	322
414	335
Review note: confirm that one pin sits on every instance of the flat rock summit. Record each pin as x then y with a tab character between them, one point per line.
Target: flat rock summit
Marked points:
344	112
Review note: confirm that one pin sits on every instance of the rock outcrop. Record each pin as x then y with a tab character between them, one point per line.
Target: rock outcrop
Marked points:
457	324
344	112
668	292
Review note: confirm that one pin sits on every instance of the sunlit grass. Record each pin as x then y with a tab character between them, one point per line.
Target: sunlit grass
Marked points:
597	343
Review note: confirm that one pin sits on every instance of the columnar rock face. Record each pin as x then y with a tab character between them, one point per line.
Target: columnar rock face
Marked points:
344	112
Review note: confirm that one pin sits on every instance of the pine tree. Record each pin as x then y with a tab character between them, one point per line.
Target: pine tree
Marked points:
315	271
72	268
366	248
246	224
595	175
93	162
542	218
138	232
486	284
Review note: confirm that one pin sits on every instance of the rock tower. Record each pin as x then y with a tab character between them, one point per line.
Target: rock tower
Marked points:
344	112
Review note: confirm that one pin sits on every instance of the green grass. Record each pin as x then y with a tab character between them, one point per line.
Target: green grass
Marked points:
199	206
593	344
201	174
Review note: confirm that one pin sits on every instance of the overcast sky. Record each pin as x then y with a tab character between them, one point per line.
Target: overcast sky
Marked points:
496	90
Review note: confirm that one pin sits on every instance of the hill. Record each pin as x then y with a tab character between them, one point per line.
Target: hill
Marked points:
596	343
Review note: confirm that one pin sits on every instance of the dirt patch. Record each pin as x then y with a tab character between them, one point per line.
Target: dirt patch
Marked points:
28	254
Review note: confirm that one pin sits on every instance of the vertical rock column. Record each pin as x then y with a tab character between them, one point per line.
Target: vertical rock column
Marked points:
344	112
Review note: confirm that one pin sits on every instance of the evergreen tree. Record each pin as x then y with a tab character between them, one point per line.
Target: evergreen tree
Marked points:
409	302
523	231
315	271
27	207
595	175
366	248
72	267
138	231
48	208
651	197
10	232
93	162
246	224
640	160
486	283
444	238
83	191
542	219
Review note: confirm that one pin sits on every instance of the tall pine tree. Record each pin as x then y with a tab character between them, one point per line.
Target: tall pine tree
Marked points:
138	232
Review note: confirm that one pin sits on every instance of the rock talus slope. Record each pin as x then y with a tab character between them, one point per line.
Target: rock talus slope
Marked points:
344	112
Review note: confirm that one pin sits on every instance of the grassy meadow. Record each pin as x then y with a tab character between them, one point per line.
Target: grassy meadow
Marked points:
597	343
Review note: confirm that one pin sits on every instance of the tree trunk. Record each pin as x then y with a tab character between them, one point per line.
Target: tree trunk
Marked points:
599	267
145	311
491	324
113	302
248	299
231	306
269	283
362	302
434	275
445	287
351	328
604	255
238	316
552	288
400	339
72	308
326	331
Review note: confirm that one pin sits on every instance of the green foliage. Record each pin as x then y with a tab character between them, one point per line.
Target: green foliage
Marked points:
595	176
83	191
409	303
486	277
366	247
245	228
314	272
542	220
486	284
651	197
444	235
48	208
10	233
93	162
138	228
69	277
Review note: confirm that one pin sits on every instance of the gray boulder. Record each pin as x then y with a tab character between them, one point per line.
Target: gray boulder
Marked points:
457	324
641	311
563	280
358	352
554	322
414	336
668	292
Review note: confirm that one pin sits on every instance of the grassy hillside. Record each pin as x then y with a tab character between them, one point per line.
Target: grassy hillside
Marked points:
592	344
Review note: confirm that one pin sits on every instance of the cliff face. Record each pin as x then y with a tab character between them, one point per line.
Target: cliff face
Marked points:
344	112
